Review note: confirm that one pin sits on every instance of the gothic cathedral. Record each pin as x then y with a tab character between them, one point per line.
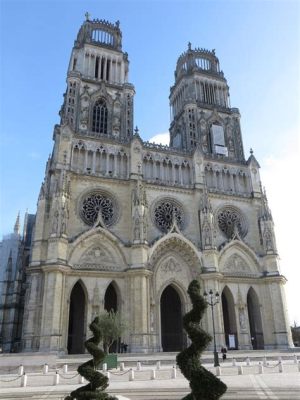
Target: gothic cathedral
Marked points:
125	225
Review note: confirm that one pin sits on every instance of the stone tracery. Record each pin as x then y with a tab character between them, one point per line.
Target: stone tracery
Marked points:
98	202
165	211
231	222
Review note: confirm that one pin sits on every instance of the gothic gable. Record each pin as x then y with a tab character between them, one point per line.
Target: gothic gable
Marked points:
238	260
97	251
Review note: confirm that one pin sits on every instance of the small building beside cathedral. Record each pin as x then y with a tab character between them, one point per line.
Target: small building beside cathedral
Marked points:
125	225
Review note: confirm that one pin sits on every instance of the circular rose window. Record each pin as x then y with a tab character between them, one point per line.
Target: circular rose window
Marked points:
163	213
96	202
231	221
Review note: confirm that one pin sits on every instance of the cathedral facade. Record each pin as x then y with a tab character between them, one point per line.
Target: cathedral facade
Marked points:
125	225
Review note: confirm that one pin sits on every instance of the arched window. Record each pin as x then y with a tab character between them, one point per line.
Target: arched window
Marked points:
100	117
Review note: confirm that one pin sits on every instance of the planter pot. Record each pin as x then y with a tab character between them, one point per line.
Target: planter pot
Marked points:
111	360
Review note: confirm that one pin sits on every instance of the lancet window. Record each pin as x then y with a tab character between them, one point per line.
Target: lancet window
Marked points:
100	114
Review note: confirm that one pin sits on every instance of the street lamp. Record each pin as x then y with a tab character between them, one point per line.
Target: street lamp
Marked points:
213	300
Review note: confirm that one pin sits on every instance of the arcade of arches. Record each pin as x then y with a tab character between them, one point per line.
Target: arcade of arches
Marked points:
236	321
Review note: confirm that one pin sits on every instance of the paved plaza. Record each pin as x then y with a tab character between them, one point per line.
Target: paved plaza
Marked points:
253	375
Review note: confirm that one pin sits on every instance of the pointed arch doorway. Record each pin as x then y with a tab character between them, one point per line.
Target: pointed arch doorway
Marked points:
111	299
229	319
171	320
76	331
111	304
255	322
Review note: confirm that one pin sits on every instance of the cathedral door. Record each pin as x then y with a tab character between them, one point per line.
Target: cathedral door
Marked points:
76	335
256	332
229	319
171	320
111	304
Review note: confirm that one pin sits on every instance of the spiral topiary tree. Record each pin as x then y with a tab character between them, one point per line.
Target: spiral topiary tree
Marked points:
204	384
97	381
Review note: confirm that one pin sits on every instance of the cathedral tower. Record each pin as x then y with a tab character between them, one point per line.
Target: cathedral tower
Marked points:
99	99
200	107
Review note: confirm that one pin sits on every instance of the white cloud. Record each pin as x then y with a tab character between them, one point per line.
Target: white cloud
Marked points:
161	138
280	177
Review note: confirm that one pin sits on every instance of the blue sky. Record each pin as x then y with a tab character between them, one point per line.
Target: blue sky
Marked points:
258	46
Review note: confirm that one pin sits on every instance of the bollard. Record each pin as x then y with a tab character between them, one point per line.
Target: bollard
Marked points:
131	375
260	368
122	366
80	379
45	369
108	374
138	366
24	380
240	370
218	371
158	365
174	373
295	359
248	361
265	361
21	370
104	367
56	378
65	369
153	374
233	362
280	367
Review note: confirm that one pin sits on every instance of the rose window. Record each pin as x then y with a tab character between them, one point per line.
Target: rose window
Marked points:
165	211
231	221
98	202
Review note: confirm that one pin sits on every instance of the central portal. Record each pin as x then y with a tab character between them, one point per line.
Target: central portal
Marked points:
171	320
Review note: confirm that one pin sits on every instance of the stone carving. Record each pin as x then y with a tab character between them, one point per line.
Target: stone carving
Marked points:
139	195
242	318
93	203
139	208
235	263
231	222
171	266
55	222
268	241
97	258
164	211
64	219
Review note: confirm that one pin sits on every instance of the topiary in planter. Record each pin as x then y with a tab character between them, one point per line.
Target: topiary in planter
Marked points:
204	384
98	382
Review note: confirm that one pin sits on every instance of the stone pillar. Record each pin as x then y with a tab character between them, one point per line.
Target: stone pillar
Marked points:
31	312
51	323
140	340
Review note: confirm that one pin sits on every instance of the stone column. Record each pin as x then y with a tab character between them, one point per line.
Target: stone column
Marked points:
140	310
94	162
51	323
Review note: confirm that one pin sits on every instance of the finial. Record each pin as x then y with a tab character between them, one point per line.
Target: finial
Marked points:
87	16
251	151
17	224
136	131
117	24
189	45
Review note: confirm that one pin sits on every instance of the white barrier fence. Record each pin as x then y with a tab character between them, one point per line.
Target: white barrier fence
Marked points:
144	372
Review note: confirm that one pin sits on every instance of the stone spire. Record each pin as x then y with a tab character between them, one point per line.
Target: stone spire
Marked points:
17	224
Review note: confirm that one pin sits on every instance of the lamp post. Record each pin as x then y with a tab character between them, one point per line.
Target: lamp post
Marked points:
213	300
